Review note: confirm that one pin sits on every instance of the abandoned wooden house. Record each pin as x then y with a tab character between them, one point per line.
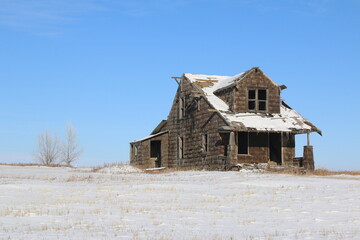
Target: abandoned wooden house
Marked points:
220	121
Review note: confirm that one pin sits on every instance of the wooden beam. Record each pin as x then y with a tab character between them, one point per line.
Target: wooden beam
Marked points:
176	79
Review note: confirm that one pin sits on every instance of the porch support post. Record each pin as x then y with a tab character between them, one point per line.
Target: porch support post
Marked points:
308	159
232	139
232	154
308	139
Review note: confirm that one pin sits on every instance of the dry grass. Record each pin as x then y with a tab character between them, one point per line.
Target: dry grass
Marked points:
325	172
316	172
33	165
170	170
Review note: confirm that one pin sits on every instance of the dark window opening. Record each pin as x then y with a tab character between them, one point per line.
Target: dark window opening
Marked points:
252	94
257	100
243	142
262	94
275	147
155	152
251	105
205	142
262	106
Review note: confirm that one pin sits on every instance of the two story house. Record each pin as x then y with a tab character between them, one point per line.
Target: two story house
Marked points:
217	122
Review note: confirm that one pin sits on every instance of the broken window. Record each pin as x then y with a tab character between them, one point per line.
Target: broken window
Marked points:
205	142
243	142
180	147
257	99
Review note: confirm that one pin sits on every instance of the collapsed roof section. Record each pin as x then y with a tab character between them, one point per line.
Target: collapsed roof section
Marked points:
288	120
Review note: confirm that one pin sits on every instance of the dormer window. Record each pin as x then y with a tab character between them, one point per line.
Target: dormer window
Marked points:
257	100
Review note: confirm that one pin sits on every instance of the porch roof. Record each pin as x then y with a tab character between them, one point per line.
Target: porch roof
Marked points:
150	136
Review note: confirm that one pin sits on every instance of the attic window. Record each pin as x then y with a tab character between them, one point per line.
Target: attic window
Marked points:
257	99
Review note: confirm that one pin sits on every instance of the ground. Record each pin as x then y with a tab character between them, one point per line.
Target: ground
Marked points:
119	203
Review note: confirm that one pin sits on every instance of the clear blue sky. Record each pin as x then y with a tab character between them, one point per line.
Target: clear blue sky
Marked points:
106	67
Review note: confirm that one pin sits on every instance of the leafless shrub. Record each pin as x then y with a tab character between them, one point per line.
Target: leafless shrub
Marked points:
47	151
70	151
30	165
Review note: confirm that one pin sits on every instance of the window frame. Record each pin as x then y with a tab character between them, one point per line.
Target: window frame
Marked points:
257	100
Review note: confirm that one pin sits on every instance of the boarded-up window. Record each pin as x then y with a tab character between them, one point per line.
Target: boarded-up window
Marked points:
243	142
205	142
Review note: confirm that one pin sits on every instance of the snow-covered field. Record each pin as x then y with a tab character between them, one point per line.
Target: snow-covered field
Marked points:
119	203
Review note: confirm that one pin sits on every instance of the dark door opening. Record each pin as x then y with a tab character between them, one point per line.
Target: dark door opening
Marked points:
155	152
275	147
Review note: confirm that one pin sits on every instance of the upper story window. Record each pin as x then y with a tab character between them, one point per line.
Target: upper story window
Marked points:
257	99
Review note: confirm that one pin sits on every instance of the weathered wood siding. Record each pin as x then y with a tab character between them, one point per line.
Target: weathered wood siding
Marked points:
197	121
288	149
236	97
142	158
199	118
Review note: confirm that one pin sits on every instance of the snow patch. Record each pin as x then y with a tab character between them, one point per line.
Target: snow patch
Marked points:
118	169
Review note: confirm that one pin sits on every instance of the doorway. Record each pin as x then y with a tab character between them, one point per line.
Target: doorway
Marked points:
275	147
155	152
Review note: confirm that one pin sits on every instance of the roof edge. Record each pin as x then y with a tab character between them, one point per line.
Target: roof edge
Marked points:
149	137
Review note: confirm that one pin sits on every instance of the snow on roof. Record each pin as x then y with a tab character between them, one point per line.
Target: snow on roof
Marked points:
208	84
288	120
150	136
228	81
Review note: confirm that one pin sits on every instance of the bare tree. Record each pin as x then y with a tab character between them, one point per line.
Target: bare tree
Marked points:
48	149
70	151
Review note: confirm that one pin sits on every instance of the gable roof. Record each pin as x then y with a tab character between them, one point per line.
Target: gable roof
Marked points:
288	120
160	127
